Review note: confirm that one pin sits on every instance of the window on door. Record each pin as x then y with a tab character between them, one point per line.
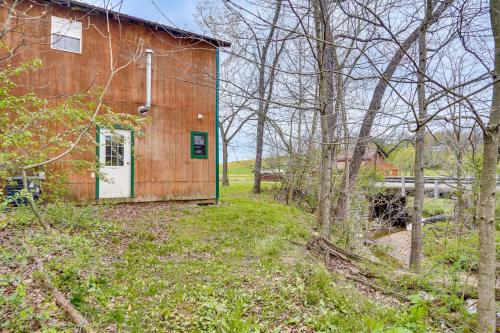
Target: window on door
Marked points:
115	149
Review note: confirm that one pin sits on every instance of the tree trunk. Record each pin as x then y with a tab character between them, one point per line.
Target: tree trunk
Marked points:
225	175
486	307
460	187
325	91
375	106
32	203
340	110
291	189
457	138
259	148
263	104
291	177
418	203
325	181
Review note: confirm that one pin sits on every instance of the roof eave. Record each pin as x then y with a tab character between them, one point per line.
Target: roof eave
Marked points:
179	33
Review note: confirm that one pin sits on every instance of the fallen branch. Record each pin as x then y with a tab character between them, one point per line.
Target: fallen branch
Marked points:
329	247
346	263
388	292
82	323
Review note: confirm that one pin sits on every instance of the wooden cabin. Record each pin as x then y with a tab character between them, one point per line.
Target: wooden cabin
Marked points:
176	157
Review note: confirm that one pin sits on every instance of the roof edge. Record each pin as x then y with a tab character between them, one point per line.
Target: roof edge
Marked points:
175	32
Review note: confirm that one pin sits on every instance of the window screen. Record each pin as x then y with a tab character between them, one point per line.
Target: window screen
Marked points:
66	34
115	150
199	144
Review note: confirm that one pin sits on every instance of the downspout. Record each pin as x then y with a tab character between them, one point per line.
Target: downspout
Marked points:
149	59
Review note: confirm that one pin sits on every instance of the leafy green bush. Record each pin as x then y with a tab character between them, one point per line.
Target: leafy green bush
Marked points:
443	245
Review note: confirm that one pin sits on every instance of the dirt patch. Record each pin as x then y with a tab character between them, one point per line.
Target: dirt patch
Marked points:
131	212
399	244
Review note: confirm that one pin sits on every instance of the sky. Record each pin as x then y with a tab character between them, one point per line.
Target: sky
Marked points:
179	13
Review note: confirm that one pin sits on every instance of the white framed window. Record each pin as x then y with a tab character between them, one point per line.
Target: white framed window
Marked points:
66	35
114	150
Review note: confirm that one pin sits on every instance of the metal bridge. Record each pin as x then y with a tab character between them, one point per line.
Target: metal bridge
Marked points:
435	185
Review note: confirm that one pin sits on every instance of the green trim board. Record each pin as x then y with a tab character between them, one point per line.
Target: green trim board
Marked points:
97	148
132	164
132	157
217	125
193	154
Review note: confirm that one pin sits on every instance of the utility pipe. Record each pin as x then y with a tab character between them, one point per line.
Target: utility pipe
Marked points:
149	59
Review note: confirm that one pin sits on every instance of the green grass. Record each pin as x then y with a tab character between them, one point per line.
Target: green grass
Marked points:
436	172
239	171
236	267
434	207
240	168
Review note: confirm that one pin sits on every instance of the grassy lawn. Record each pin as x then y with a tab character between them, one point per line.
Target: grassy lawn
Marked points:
239	171
236	267
240	167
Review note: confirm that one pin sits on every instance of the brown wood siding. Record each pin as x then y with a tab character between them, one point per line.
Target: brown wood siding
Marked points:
183	87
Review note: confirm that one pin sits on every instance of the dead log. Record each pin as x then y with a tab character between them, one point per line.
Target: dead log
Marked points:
436	218
327	246
82	323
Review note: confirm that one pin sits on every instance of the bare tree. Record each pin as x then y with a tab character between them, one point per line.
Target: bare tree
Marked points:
324	57
487	253
236	109
265	86
376	101
416	231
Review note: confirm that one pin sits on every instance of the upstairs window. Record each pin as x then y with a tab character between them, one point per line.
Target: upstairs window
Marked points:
66	35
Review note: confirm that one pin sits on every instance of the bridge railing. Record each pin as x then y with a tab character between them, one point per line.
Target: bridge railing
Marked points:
435	180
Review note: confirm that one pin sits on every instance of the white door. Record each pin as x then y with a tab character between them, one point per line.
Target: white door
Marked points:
114	160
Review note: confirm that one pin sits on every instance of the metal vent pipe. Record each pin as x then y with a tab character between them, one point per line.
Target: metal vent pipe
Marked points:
149	60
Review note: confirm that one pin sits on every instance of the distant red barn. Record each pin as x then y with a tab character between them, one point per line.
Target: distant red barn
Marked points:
372	157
